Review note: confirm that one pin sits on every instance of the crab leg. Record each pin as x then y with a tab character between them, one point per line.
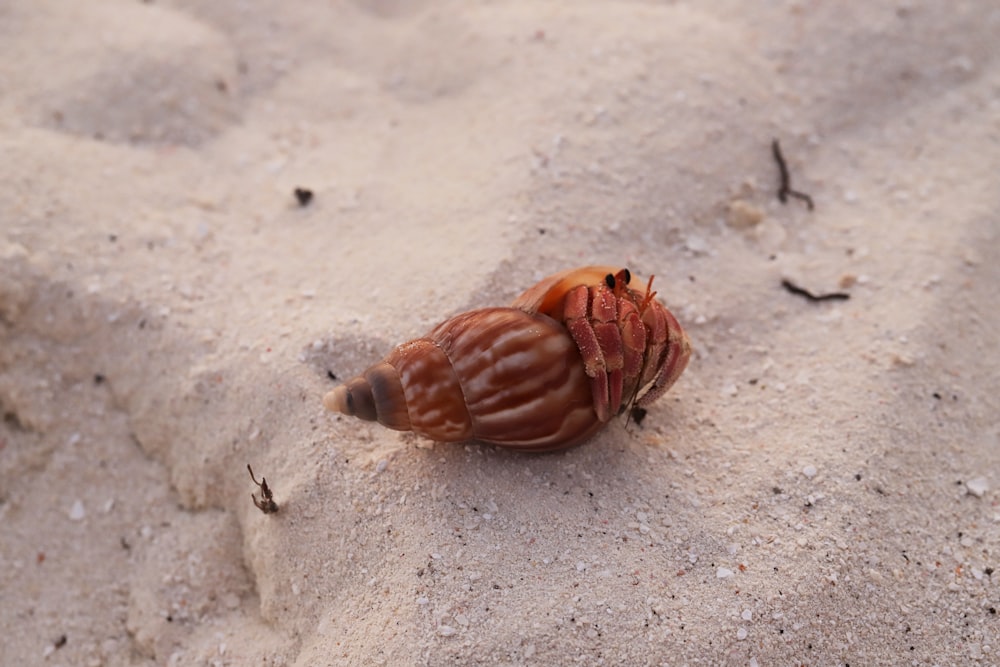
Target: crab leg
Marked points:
577	309
674	348
604	319
633	334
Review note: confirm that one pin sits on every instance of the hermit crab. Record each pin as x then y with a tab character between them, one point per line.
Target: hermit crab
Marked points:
544	373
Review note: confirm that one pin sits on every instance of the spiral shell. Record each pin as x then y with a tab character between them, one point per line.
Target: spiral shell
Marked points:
545	373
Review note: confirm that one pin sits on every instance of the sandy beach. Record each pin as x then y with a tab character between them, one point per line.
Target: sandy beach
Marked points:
819	488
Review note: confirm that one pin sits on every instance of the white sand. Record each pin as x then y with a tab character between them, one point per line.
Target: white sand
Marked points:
820	488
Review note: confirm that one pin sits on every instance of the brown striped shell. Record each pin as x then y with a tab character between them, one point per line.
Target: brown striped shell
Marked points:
515	376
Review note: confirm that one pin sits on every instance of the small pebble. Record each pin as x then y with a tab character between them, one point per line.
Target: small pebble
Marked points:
741	634
303	195
723	573
742	214
977	486
697	245
446	631
76	513
809	471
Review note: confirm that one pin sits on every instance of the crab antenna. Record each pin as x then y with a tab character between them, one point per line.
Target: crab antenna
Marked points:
650	295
